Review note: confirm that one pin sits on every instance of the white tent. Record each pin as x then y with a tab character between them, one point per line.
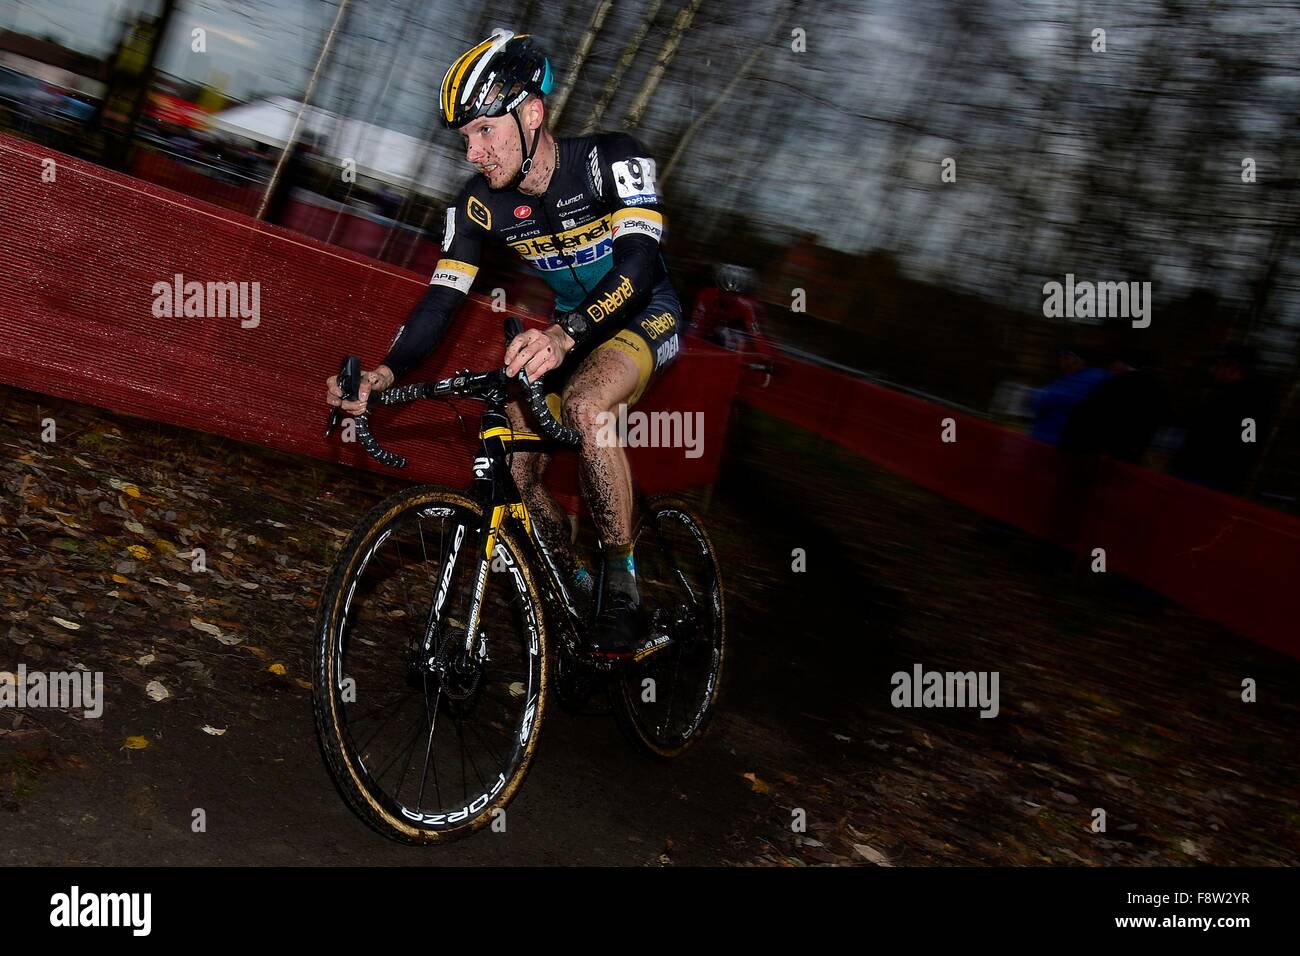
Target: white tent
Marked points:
379	153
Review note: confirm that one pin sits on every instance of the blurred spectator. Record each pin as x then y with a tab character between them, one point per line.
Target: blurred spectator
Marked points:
728	314
1057	400
1121	414
1214	454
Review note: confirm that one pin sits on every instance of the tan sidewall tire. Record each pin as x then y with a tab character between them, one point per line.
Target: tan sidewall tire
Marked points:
623	706
325	701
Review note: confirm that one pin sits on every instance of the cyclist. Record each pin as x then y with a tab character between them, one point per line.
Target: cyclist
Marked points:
728	314
585	212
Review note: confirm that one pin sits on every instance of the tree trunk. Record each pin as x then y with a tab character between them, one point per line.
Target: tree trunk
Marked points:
579	57
624	61
730	88
296	130
680	26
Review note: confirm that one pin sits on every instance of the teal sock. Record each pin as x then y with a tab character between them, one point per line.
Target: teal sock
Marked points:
620	572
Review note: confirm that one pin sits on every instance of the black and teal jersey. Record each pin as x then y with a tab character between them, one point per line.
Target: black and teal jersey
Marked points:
593	236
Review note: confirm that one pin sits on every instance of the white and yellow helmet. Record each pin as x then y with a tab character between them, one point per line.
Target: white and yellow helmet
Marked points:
507	63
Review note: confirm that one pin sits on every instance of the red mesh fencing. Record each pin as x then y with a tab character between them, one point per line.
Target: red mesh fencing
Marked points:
1223	557
90	256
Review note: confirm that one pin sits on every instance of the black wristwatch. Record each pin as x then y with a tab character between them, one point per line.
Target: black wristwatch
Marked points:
576	324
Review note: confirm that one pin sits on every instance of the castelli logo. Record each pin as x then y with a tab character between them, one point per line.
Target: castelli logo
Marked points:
523	212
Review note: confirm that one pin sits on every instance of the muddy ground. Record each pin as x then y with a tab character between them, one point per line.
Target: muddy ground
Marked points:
1110	697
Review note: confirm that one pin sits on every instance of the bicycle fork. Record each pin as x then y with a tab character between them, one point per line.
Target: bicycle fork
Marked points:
495	493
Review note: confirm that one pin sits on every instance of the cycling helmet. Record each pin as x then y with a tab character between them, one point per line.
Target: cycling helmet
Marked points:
509	65
732	278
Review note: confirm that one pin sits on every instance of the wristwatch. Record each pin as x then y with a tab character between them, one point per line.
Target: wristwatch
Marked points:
576	324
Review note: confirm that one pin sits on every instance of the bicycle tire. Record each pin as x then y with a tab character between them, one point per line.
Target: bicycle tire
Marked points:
634	720
378	809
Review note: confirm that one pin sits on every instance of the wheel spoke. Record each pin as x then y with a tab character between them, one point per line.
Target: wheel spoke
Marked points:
376	646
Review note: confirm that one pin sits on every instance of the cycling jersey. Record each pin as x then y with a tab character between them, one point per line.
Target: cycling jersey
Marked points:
593	237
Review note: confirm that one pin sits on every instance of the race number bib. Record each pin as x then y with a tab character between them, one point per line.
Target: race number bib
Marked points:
635	181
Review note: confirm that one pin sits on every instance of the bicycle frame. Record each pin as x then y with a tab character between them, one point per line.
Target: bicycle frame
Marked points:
494	487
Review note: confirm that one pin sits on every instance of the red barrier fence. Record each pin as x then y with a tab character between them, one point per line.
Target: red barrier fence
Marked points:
90	260
173	174
89	255
1223	557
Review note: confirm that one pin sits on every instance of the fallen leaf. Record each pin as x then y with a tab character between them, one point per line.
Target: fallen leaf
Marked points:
139	551
120	579
134	527
215	631
135	743
157	691
872	855
207	729
70	625
304	684
757	785
146	660
277	669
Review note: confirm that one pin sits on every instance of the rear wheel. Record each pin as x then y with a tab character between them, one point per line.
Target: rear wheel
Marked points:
664	703
426	739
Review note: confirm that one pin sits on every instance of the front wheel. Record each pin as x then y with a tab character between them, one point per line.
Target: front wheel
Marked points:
428	733
663	704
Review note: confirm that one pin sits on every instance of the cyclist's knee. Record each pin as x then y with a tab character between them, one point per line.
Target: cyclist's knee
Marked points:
583	412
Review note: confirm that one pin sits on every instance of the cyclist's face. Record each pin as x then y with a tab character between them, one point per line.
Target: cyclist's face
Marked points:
492	144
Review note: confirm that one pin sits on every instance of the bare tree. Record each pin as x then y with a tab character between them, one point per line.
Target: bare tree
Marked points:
579	57
620	68
680	26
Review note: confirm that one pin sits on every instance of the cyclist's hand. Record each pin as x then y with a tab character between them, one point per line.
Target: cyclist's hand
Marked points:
537	352
371	381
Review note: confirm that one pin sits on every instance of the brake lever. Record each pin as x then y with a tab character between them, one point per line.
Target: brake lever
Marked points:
349	380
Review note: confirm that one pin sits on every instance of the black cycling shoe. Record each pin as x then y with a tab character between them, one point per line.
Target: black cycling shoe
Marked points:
617	633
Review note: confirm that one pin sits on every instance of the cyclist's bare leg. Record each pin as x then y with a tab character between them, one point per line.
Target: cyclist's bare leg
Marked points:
529	469
606	379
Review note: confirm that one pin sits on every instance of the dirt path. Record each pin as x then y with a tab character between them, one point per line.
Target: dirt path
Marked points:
1109	698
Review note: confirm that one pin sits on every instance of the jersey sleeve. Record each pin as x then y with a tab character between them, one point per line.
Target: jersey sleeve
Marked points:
623	173
464	229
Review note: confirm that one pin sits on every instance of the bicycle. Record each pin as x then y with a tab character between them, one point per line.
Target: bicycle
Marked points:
458	628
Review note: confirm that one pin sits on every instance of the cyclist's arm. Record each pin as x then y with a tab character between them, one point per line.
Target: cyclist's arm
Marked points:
419	335
637	225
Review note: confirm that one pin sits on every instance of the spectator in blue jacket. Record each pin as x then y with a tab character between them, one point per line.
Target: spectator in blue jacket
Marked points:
1058	399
